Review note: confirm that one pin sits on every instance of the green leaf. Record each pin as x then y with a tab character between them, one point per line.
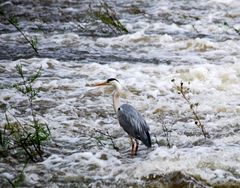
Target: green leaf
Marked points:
32	78
108	17
14	21
1	12
34	42
29	89
19	69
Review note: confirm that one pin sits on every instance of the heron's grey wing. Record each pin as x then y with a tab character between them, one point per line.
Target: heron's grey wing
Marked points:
134	124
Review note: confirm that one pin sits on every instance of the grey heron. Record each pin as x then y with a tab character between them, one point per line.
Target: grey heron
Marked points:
129	118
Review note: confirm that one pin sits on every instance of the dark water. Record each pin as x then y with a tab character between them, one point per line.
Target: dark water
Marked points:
186	40
48	19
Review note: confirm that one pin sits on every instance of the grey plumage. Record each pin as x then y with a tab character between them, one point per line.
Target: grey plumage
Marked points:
134	124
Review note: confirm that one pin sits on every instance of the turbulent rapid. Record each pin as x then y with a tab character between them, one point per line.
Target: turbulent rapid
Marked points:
182	40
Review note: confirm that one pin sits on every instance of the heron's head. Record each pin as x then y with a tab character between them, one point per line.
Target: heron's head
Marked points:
111	82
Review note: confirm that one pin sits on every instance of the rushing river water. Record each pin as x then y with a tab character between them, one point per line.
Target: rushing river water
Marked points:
183	40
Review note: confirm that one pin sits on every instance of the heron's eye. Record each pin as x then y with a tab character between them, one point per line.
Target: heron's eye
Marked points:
119	109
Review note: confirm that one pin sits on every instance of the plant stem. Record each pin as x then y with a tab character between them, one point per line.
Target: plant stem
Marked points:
181	90
22	33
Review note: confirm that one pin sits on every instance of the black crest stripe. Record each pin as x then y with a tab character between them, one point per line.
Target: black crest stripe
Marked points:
112	79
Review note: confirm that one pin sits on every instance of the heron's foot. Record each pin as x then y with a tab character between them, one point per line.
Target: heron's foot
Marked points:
133	153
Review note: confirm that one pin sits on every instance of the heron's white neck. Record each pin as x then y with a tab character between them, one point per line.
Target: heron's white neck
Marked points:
116	100
116	96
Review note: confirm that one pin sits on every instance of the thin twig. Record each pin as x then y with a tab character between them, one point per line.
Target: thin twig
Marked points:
109	137
12	22
183	91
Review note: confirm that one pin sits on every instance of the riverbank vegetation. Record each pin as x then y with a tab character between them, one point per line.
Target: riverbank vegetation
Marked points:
22	134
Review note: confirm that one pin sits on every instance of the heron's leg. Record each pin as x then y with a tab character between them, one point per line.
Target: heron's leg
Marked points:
132	143
135	147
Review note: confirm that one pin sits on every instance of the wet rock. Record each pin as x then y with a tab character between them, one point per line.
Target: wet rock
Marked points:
104	157
174	180
3	106
203	141
2	69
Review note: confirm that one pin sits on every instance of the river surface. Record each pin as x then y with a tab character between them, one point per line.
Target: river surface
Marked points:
184	40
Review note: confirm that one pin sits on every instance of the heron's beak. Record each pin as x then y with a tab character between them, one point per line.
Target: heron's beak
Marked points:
101	84
97	84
